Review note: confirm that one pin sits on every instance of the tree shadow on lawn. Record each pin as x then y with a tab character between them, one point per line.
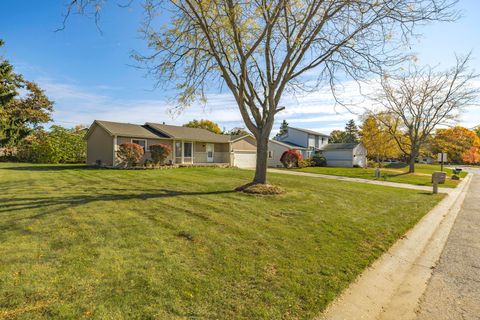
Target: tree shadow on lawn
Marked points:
56	204
49	167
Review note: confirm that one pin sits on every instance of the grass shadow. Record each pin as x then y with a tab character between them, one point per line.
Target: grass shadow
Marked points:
49	167
45	206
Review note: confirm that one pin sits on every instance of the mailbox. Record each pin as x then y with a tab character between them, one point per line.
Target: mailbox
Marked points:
438	177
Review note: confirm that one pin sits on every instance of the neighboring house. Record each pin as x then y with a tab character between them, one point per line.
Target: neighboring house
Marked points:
345	154
425	160
277	148
189	145
306	141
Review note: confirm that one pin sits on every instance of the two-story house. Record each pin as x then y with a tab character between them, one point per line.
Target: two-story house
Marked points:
309	140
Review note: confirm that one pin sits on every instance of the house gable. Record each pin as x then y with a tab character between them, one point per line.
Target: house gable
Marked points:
99	146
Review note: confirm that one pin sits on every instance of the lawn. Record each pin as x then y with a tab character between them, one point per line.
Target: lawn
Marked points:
429	169
180	244
421	177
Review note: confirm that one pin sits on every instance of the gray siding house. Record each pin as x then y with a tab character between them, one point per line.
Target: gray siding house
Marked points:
304	140
307	142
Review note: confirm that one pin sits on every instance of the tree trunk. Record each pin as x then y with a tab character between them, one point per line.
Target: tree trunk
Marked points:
262	153
411	164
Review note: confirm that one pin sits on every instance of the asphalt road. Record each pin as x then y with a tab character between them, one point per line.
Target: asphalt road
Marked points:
453	291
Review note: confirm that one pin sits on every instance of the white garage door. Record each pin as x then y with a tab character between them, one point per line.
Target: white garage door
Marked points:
244	159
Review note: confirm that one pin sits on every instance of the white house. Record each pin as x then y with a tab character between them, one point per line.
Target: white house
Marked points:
345	154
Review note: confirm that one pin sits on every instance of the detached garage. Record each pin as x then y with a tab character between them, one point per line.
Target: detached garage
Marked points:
345	154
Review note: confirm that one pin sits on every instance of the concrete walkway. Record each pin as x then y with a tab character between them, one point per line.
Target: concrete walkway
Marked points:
453	291
349	179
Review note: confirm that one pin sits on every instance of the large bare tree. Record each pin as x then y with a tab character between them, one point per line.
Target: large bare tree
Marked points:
421	99
262	49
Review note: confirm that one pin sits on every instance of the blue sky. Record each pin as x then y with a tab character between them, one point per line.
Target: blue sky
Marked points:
89	74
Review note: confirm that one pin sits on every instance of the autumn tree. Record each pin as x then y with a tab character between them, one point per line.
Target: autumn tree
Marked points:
20	113
421	99
477	130
237	131
204	124
472	155
337	136
261	50
455	141
377	140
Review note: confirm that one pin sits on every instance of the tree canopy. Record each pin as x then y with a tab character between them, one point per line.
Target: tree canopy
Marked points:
351	132
377	140
455	141
58	145
283	128
260	50
19	114
204	124
421	99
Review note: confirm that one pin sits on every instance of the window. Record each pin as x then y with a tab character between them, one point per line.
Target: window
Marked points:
178	149
270	154
142	143
187	149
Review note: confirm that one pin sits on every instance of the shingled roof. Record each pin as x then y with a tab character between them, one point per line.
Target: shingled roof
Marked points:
185	133
158	131
127	129
310	131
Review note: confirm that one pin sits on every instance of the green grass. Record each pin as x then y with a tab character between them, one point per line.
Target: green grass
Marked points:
421	177
430	168
180	244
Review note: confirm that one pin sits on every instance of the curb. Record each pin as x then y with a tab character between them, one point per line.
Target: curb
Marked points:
392	286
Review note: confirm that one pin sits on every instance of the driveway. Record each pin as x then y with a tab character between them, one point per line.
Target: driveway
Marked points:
453	291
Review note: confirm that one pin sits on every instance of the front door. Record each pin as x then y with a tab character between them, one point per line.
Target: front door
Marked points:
209	152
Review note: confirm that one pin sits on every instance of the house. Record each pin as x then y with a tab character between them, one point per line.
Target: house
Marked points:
307	142
345	154
189	145
304	140
277	148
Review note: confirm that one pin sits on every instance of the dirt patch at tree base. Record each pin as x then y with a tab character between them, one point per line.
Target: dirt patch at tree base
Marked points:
260	188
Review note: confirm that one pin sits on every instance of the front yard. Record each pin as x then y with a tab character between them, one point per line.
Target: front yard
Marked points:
421	177
180	244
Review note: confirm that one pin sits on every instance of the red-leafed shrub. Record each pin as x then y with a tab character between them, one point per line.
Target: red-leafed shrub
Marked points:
160	152
130	154
290	158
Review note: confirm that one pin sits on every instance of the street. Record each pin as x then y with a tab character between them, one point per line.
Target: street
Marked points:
453	291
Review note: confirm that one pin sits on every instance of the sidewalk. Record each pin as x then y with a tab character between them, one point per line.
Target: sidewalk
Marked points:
453	291
349	179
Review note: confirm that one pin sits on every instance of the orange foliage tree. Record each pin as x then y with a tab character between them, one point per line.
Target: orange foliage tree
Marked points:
472	155
455	141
